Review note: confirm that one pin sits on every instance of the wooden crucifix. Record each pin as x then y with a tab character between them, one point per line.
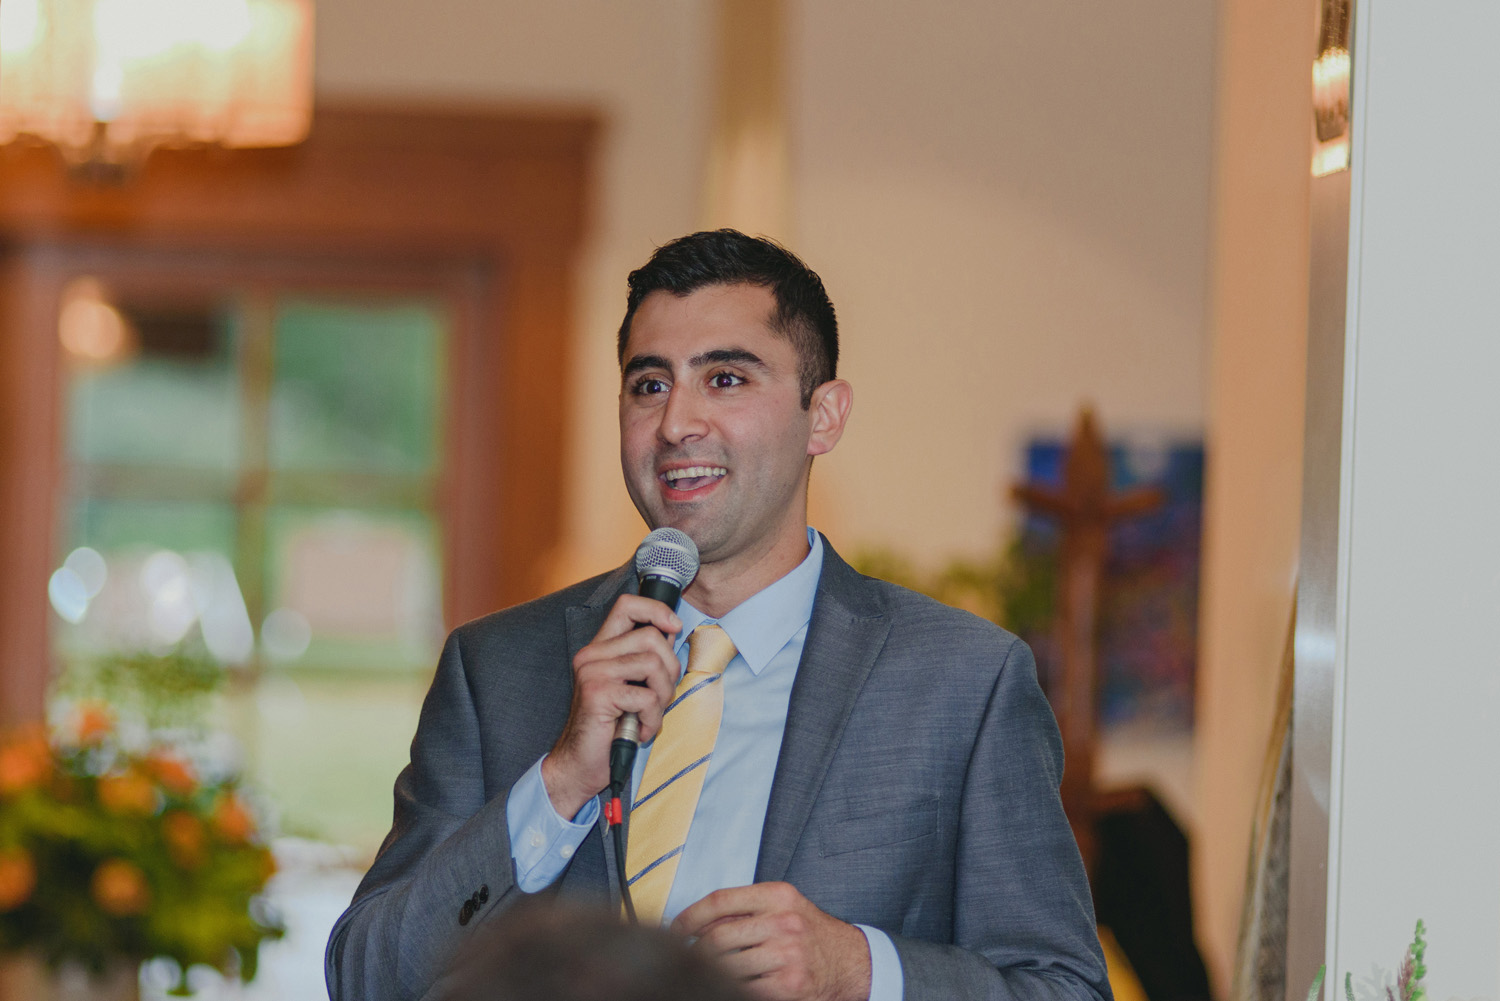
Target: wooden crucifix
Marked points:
1085	508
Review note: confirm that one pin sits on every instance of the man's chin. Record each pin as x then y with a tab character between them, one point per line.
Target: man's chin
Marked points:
704	535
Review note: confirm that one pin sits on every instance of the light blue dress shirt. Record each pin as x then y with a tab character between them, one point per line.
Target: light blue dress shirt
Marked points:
723	843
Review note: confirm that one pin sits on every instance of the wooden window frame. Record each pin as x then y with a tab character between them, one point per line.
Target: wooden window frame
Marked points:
496	201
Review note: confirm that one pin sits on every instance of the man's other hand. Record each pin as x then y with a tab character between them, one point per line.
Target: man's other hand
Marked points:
577	767
786	949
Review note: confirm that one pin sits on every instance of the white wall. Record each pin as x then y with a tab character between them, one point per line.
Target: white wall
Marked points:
1009	204
1416	729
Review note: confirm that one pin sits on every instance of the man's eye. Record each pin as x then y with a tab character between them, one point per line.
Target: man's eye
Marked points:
724	380
649	387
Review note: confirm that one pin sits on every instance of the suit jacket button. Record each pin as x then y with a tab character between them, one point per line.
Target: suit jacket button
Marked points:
484	894
466	913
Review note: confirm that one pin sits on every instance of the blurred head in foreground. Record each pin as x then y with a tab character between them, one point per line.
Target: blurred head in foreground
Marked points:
544	950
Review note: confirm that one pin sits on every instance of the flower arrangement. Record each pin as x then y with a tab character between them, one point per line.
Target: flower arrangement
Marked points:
1410	976
1409	984
111	852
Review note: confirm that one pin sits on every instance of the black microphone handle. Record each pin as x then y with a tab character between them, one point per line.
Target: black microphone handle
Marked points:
660	589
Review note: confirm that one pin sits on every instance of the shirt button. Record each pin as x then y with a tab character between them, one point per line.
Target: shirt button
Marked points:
566	851
537	840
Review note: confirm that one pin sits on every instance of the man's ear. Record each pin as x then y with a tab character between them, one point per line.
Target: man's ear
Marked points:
829	407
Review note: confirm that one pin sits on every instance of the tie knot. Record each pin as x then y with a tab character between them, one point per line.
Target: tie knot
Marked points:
709	650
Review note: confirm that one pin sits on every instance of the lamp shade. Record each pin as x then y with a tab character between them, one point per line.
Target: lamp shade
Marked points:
112	79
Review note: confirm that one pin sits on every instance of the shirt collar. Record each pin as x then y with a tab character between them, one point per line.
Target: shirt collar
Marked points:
766	621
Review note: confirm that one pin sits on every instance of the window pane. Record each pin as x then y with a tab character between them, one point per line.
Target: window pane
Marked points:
355	728
169	397
109	524
352	589
148	575
255	482
356	387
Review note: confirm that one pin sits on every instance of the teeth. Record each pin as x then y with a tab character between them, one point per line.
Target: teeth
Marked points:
693	472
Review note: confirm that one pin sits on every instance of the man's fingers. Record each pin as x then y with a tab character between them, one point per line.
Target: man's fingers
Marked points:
748	964
650	720
641	701
737	933
625	644
604	700
660	675
641	664
735	901
780	943
763	951
631	610
647	653
743	945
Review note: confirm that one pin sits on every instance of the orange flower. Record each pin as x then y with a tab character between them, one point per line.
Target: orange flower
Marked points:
17	878
185	838
120	888
93	722
25	759
232	819
175	775
130	792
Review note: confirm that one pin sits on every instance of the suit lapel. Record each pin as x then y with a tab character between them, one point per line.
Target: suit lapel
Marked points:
844	638
583	621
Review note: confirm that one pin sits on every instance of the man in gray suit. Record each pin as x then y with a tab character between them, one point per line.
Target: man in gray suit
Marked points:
879	816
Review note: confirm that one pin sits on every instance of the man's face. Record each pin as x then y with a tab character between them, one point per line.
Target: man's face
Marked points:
713	437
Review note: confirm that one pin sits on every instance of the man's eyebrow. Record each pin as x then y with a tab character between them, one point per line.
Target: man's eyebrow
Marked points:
726	356
640	362
718	356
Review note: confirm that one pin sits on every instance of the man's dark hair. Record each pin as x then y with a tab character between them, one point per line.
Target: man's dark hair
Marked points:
803	314
545	949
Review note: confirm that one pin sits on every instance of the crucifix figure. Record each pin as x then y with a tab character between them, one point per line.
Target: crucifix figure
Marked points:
1085	508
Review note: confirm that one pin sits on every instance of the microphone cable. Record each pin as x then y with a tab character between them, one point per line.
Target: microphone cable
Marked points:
621	760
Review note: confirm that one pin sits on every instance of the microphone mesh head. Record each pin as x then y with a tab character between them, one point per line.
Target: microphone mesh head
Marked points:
668	553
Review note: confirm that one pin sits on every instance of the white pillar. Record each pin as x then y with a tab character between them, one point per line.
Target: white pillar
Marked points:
1258	279
1414	821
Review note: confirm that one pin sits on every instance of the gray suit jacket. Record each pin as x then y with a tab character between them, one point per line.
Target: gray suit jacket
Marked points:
916	791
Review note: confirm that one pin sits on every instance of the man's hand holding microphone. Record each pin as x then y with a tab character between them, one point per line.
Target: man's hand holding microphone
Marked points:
625	669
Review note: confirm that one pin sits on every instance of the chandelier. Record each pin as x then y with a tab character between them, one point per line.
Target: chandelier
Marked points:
1331	89
107	81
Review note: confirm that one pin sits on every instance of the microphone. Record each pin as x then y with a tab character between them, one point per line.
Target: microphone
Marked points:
666	562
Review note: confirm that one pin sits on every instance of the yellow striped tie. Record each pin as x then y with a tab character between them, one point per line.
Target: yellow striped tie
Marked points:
669	789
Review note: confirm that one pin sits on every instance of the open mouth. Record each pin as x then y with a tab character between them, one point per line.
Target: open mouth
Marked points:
690	478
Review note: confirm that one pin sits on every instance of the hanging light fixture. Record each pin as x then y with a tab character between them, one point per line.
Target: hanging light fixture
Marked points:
107	81
1331	89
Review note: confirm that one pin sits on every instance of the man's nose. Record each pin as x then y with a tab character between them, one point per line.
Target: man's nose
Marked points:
684	418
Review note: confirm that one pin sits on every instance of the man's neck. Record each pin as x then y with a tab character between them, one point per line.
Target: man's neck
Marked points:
720	587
